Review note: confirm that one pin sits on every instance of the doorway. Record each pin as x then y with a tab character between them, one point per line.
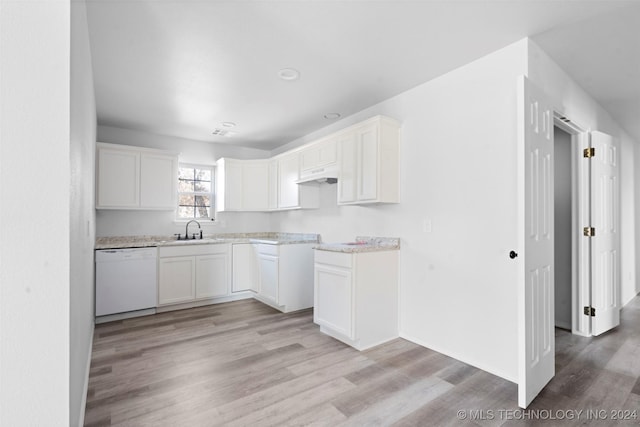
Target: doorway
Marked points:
572	210
563	215
594	235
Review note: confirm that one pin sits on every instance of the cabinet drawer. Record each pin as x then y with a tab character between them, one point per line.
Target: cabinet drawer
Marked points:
339	259
266	249
193	249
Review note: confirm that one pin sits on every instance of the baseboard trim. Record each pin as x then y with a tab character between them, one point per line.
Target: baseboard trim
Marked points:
480	366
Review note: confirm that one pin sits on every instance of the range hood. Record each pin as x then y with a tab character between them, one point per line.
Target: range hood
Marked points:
328	174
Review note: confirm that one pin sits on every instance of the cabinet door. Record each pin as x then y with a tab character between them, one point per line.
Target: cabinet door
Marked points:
333	299
327	153
367	163
245	275
212	275
233	186
176	280
268	268
158	181
273	185
288	174
118	179
255	189
347	178
319	154
310	157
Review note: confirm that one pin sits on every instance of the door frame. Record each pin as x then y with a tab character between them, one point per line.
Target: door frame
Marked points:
580	214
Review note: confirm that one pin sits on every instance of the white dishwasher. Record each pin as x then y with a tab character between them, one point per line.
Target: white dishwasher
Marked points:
126	280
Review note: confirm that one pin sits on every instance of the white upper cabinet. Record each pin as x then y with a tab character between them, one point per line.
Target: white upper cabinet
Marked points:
347	176
273	185
290	195
135	178
288	174
158	184
255	175
369	162
242	185
318	156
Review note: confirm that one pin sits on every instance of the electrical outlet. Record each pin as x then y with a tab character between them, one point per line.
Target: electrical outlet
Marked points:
426	225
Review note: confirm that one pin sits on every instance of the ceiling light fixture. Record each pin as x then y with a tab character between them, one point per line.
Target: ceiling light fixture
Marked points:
289	74
332	116
228	125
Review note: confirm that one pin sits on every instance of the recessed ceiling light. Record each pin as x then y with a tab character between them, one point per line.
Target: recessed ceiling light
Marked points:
289	74
332	116
228	124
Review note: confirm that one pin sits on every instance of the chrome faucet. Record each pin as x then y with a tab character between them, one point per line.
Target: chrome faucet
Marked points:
186	230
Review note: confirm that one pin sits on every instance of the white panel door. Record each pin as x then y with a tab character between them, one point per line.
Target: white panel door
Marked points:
212	275
605	245
347	174
245	268
288	174
176	280
118	178
273	185
333	299
233	186
158	181
368	163
536	344
255	188
269	275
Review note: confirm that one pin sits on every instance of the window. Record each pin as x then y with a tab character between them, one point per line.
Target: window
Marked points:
195	192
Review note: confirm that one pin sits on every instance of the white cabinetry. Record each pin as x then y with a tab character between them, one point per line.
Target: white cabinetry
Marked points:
369	162
242	185
356	296
245	268
135	178
193	272
273	185
285	275
212	275
286	193
318	156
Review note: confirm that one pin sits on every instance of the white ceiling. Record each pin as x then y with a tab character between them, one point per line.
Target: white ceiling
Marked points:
182	68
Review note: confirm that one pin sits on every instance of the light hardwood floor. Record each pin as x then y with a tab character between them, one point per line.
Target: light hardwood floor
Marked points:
245	364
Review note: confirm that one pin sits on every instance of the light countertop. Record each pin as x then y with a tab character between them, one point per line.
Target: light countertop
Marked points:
362	244
120	242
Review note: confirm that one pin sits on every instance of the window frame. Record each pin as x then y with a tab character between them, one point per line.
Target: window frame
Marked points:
211	194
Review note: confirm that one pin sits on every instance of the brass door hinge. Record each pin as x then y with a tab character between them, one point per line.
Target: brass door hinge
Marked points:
589	152
589	231
590	311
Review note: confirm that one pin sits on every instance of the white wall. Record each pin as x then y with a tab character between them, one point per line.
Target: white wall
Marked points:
127	223
82	212
34	213
458	163
562	227
578	106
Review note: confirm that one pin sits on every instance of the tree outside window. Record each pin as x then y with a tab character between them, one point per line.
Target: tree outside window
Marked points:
195	192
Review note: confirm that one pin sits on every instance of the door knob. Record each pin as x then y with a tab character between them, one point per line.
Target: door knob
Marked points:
513	254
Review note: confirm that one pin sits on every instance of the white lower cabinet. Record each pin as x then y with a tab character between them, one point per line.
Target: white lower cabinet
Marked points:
195	272
212	275
245	268
333	299
356	296
285	275
176	279
269	277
